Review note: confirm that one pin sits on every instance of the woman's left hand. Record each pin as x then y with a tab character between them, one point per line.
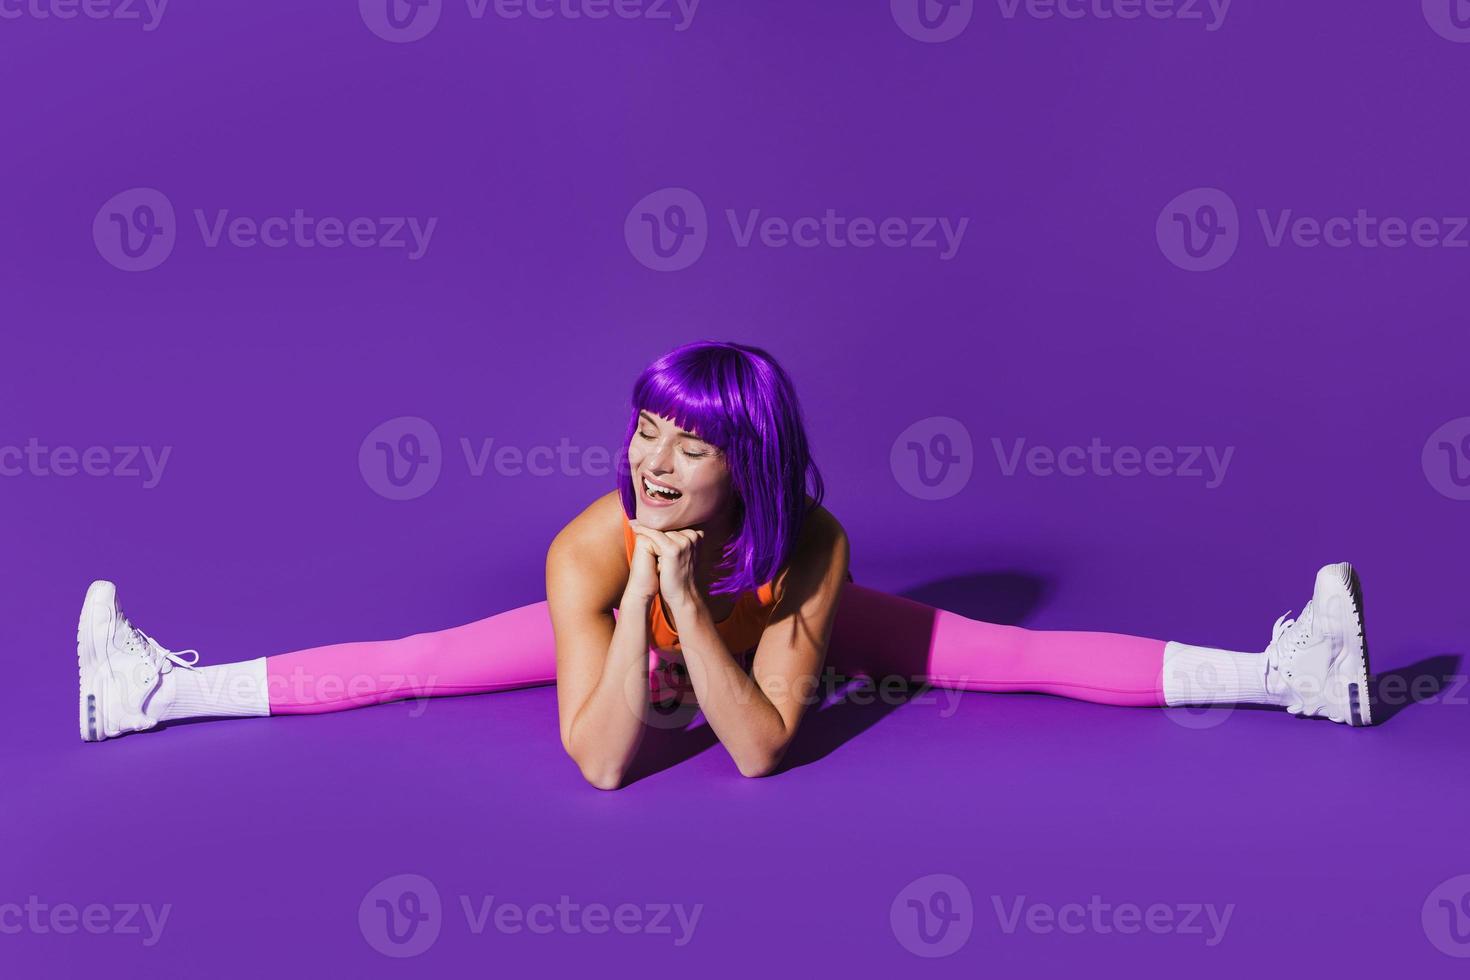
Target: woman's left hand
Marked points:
676	558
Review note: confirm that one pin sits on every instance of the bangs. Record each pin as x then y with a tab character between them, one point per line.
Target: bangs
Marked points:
693	401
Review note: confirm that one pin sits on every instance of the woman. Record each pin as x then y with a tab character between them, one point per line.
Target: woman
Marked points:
713	576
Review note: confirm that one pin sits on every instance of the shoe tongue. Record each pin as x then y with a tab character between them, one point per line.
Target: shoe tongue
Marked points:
133	632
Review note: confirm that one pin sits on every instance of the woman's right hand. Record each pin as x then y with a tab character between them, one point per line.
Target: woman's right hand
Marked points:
643	583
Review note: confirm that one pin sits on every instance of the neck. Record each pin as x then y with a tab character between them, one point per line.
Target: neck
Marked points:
717	533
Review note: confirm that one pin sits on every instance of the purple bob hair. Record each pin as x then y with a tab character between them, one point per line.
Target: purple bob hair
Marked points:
739	400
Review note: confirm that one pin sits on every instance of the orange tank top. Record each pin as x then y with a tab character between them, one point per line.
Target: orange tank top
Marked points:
741	630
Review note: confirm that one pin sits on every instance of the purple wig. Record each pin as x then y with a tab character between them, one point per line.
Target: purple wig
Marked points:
739	400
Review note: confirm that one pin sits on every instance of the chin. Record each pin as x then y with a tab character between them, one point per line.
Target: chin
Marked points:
662	520
658	520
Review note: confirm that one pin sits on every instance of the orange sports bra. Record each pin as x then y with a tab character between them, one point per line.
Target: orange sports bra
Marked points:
741	630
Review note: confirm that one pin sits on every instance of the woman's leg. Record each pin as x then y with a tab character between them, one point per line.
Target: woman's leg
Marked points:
881	635
129	682
511	649
1316	664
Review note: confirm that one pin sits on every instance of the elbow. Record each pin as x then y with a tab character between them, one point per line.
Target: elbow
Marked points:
597	772
762	760
758	765
603	778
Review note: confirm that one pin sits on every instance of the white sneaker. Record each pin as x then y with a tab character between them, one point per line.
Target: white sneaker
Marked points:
119	669
1318	662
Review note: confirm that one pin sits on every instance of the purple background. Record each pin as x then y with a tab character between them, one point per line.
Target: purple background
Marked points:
1059	319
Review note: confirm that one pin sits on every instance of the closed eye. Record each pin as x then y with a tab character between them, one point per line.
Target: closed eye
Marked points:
653	435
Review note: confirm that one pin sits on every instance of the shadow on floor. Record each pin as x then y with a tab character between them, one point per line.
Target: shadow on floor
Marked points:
665	748
1422	681
852	707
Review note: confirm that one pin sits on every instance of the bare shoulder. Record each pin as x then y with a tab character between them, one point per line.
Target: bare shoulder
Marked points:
588	557
820	555
822	532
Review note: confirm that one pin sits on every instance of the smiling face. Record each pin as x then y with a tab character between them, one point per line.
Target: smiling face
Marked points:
663	454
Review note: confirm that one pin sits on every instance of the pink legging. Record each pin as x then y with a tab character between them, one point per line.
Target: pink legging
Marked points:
875	634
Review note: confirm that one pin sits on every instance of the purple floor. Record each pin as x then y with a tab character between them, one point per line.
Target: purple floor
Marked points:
1315	846
195	409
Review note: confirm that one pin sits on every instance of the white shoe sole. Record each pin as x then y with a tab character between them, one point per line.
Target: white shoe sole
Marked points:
92	660
1351	668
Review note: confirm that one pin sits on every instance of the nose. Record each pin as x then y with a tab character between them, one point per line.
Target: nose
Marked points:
661	455
656	457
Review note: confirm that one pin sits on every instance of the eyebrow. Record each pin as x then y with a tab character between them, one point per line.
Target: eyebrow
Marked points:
645	415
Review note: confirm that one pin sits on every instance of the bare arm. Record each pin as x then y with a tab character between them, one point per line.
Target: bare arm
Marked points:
756	716
601	660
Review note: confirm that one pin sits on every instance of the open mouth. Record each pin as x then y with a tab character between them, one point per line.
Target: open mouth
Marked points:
658	492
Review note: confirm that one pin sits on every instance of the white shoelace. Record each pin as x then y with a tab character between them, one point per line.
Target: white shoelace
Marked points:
148	643
1289	629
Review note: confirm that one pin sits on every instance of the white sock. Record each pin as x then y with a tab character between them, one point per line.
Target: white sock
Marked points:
224	691
1204	675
